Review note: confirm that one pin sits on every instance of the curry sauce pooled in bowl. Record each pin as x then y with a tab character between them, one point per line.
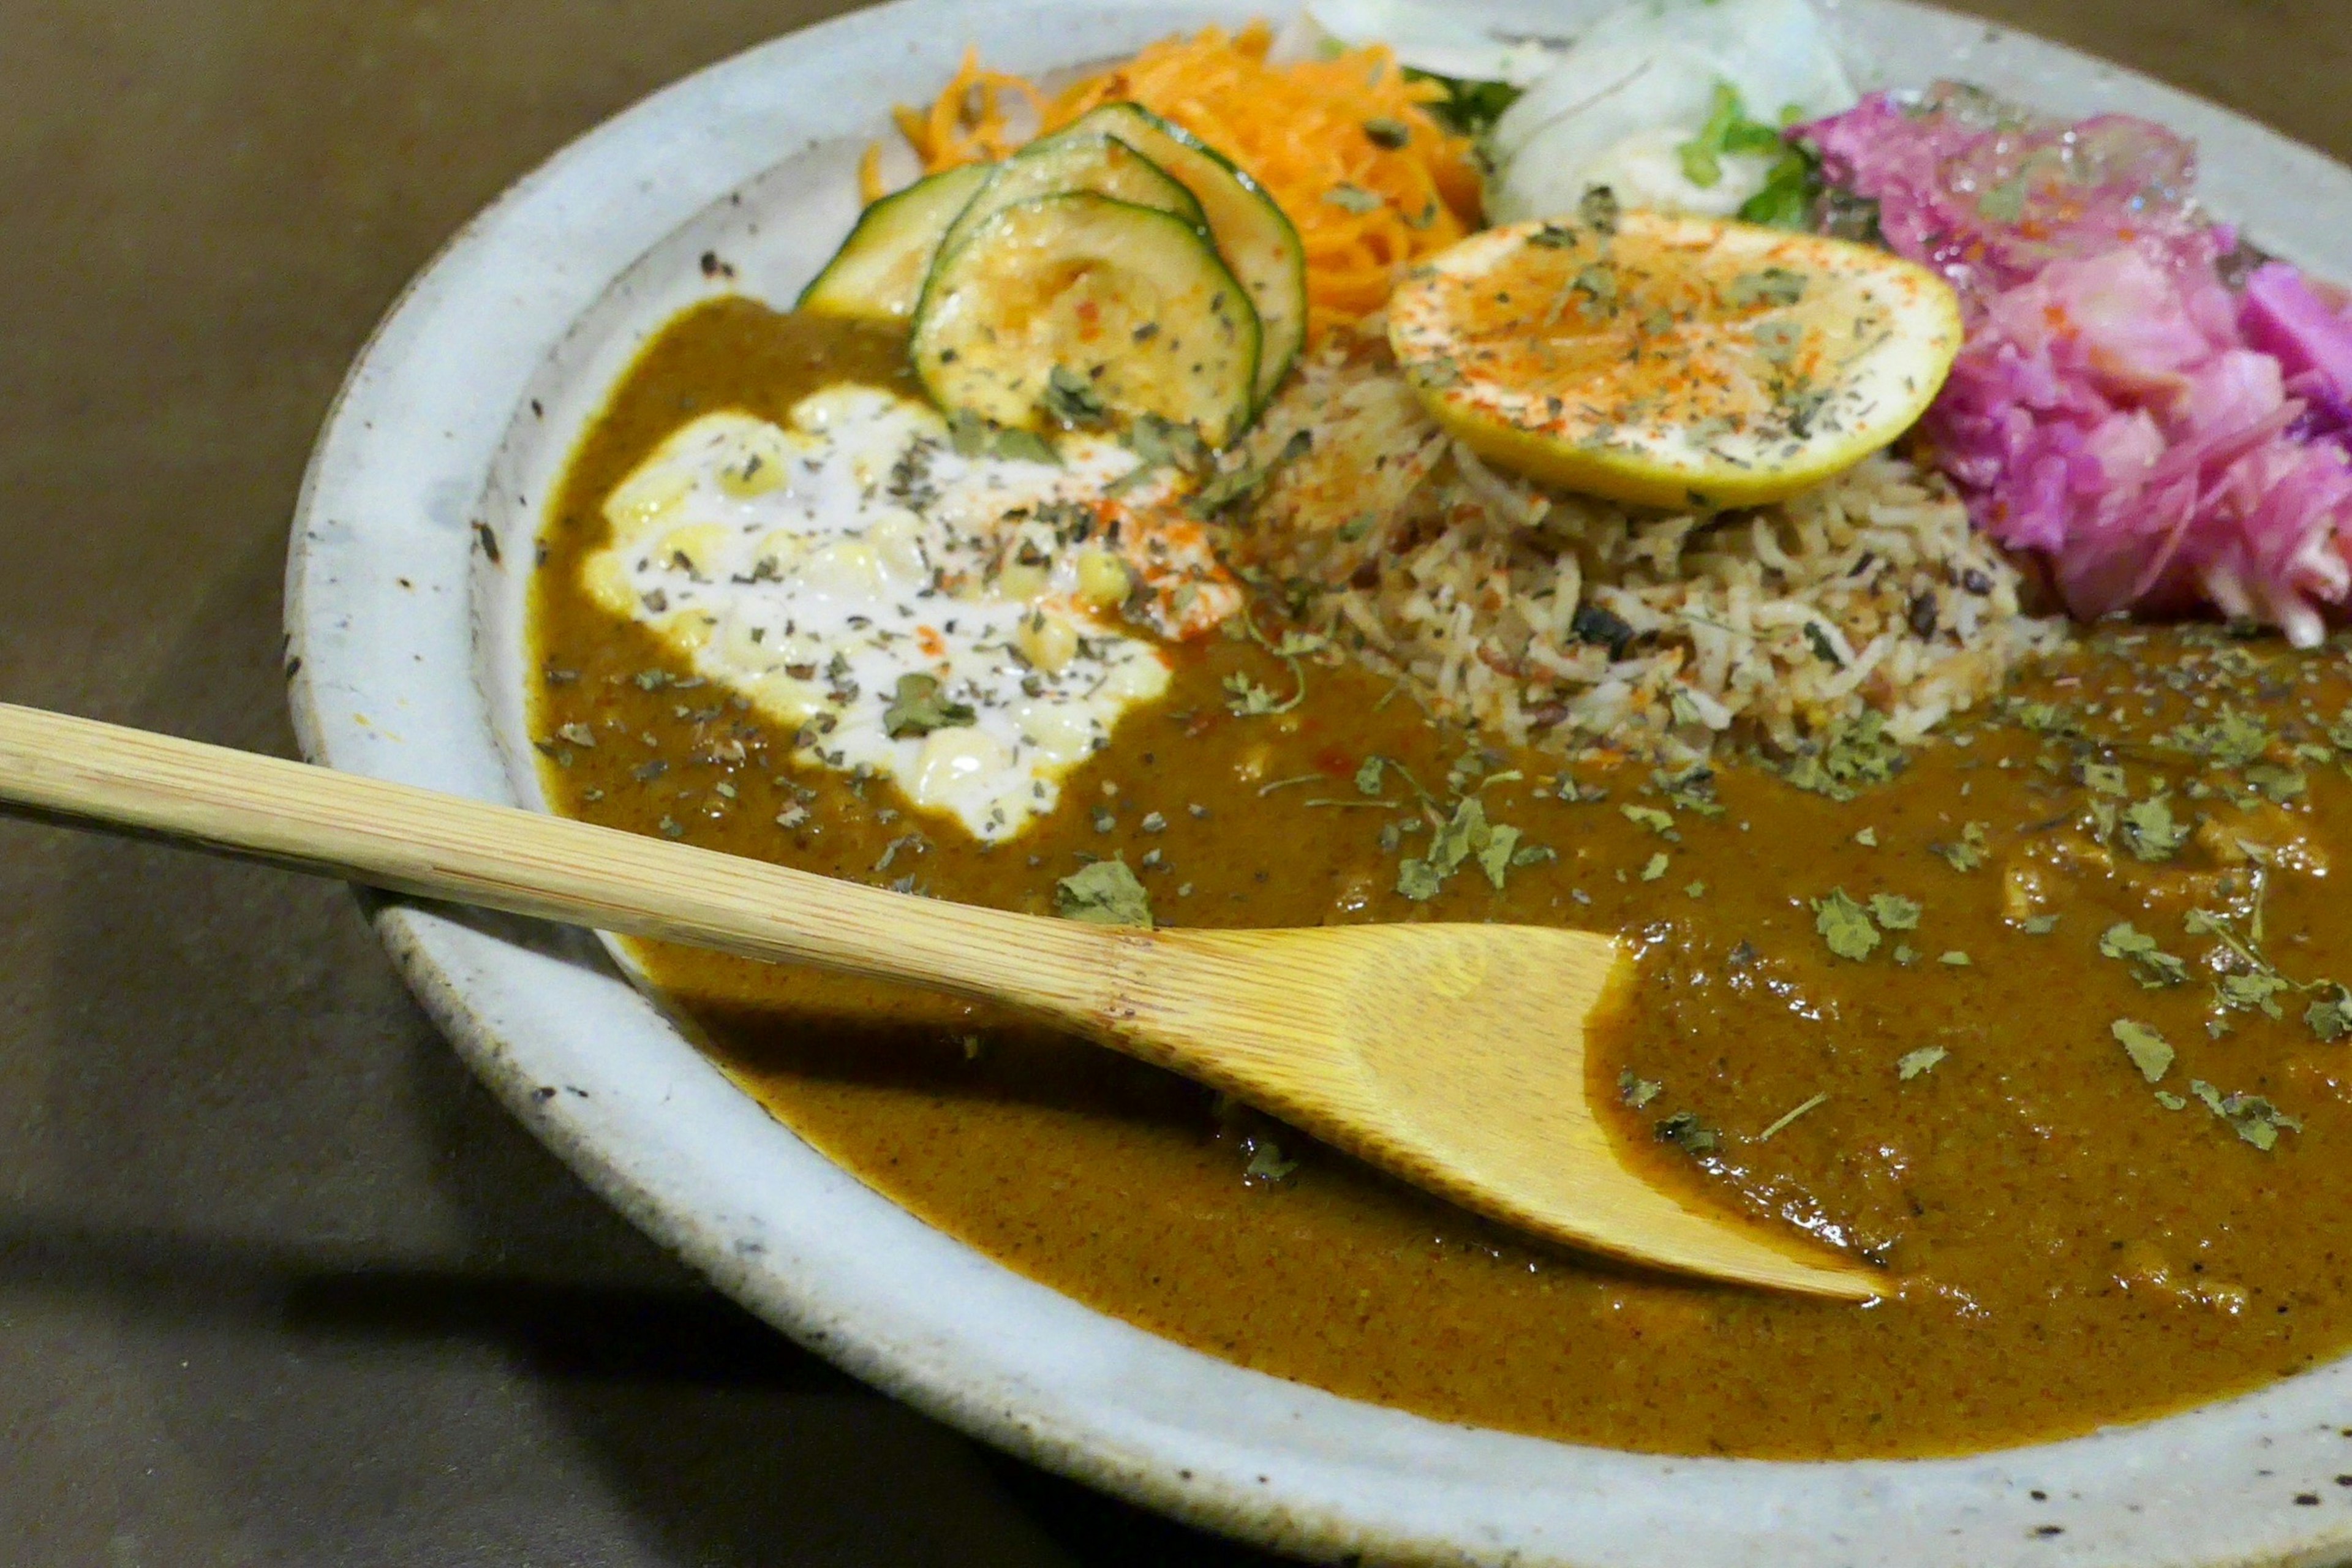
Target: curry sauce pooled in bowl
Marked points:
1983	942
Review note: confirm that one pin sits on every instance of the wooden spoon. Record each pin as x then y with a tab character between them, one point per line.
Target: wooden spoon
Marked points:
1450	1054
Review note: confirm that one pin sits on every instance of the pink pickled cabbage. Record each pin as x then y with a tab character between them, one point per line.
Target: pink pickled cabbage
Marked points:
2163	441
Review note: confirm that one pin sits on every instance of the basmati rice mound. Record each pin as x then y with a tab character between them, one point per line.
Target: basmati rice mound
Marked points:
1590	629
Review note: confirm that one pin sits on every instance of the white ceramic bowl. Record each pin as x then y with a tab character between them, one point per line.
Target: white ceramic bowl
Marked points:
404	595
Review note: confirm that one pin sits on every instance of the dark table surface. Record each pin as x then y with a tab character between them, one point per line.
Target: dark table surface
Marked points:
278	1283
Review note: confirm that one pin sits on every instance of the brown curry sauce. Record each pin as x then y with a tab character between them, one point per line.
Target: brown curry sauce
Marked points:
2072	1252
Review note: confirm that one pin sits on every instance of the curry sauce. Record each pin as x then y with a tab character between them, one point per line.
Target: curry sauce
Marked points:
2046	1020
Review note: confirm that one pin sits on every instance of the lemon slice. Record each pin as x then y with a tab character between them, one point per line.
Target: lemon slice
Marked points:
1677	362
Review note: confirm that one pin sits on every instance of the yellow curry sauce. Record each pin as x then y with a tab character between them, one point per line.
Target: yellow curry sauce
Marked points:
2078	1243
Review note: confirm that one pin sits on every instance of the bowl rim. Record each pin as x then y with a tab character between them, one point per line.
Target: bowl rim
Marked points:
385	603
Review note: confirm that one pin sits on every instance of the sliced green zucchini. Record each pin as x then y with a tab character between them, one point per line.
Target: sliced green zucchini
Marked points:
1074	162
1134	302
1251	232
877	274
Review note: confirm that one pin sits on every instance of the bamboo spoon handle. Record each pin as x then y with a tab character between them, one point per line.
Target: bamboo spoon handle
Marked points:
1453	1056
414	840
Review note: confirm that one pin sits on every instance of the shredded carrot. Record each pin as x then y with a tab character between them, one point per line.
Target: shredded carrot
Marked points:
870	188
1345	145
966	123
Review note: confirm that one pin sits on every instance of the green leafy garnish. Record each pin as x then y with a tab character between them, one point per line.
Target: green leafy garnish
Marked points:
1250	701
2154	967
2254	1119
1266	1164
1844	925
1368	777
1162	443
1386	133
966	432
1636	1091
1418	880
1727	129
1070	398
2038	925
1969	852
1496	855
1229	487
918	707
2148	1050
2276	784
1354	198
1650	816
1469	108
1655	867
1688	1133
2232	740
1851	753
1103	893
2330	1016
1911	1064
1957	959
2251	994
1773	285
1599	209
2150	831
1794	188
2107	778
1894	912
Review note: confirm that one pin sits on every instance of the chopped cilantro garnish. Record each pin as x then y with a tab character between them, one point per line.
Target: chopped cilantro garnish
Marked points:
1658	822
1911	1064
2254	1119
1687	1132
1969	852
1103	893
1655	867
918	707
1418	880
1070	398
2154	968
1025	446
2038	925
2232	740
1844	925
1637	1091
2330	1016
2251	993
2148	1050
2107	778
1848	753
1894	912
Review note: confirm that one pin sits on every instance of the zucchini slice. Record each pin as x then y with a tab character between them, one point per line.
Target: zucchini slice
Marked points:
877	274
1134	302
1251	232
1059	165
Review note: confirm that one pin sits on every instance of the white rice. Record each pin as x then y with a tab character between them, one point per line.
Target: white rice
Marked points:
1497	601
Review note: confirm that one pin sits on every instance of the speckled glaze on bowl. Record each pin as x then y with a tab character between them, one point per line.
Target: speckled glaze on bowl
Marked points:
404	592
